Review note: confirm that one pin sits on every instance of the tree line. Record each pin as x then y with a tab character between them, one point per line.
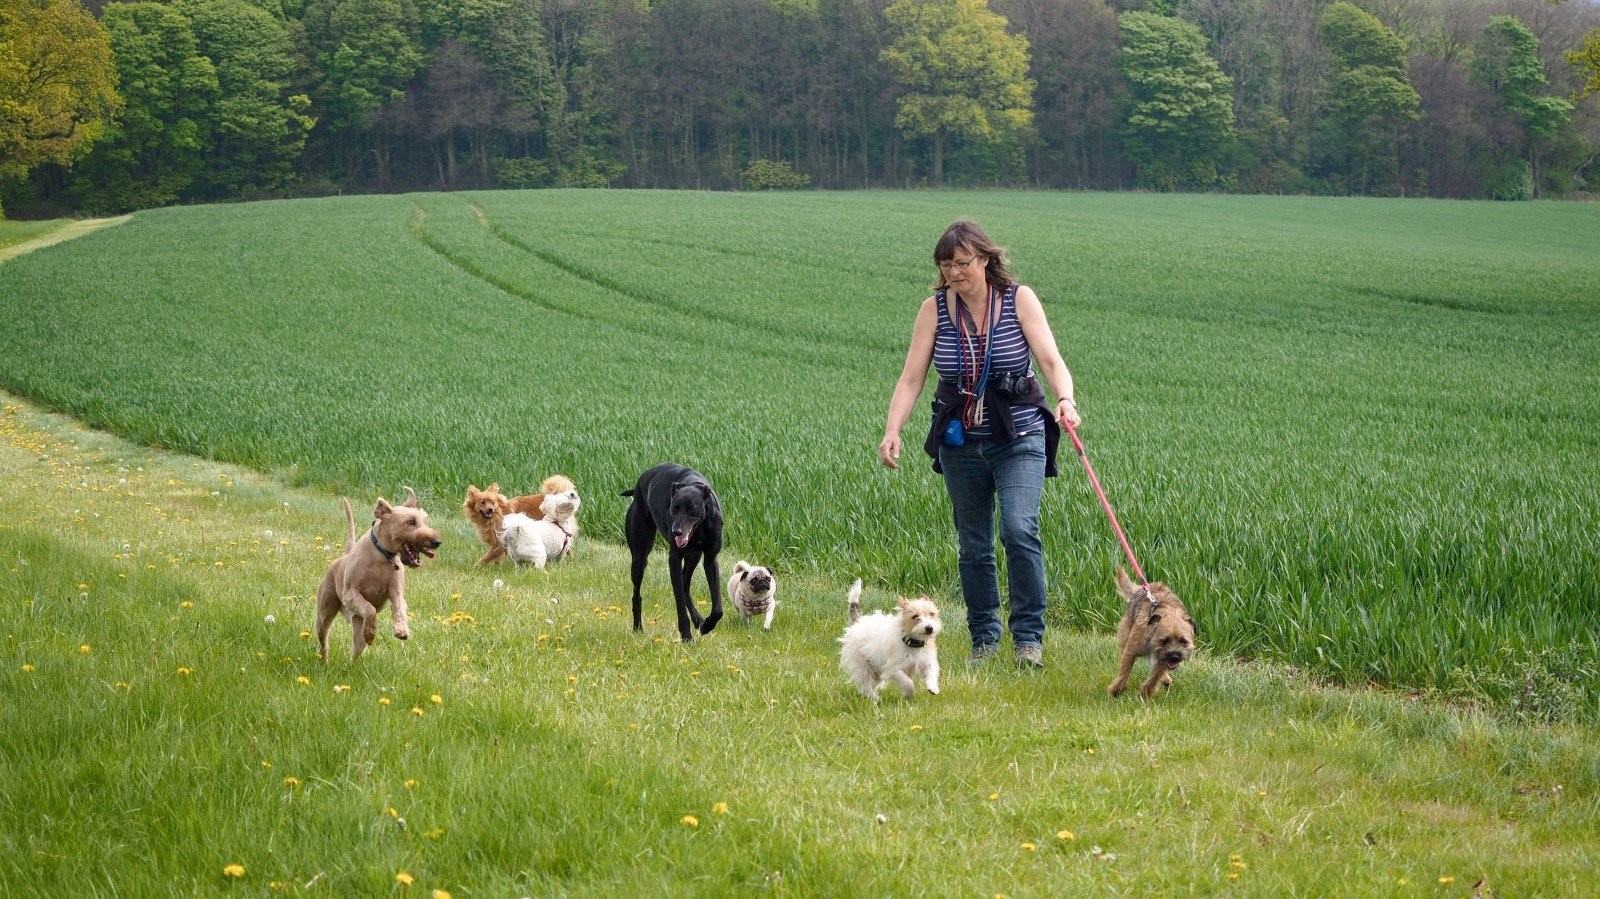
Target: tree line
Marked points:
108	107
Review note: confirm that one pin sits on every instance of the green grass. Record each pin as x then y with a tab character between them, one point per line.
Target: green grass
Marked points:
1357	435
565	751
15	232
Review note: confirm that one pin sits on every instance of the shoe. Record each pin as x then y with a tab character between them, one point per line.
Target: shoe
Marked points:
1030	655
981	654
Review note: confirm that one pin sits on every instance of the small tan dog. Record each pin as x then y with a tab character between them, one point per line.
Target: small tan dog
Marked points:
881	648
372	572
1155	625
487	509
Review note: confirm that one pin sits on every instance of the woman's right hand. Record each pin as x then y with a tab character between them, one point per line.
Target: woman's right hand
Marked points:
889	451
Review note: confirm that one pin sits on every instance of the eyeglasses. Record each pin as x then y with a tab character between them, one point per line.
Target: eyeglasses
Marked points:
951	265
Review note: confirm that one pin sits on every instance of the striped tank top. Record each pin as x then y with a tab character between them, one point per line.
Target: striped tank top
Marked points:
1011	354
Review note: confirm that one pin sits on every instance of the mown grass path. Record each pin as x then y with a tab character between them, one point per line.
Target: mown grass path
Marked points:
156	727
17	238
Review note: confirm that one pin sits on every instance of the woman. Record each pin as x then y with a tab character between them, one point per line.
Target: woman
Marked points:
992	433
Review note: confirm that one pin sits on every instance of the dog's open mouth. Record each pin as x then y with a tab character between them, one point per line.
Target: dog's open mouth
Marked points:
1174	661
411	557
680	539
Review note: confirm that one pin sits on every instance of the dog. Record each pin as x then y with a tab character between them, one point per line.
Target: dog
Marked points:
487	509
753	591
881	648
1155	625
546	540
679	504
372	572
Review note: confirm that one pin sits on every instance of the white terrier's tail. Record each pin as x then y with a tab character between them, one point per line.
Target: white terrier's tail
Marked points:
855	601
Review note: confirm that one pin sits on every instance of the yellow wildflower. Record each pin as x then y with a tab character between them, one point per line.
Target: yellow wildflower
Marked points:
391	812
83	586
186	604
27	666
404	879
383	700
234	870
915	728
341	688
302	680
265	763
1065	836
993	796
1029	847
305	635
185	670
291	782
415	710
411	784
1446	879
689	821
85	649
436	699
720	808
441	894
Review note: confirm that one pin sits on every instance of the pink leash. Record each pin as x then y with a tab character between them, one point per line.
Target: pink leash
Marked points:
1104	504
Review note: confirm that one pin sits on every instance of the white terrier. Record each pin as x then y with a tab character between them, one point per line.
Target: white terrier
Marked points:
882	648
754	591
546	540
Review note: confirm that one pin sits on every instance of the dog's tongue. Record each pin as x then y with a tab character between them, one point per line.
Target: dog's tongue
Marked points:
681	540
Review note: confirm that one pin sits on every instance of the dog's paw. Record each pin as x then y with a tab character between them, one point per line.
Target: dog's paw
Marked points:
1116	688
401	633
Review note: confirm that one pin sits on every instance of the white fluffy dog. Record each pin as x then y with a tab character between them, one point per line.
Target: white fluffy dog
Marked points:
754	592
550	538
882	648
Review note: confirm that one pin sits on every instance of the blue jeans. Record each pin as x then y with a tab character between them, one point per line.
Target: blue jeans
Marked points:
975	474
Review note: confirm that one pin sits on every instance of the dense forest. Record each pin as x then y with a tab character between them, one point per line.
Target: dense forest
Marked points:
108	107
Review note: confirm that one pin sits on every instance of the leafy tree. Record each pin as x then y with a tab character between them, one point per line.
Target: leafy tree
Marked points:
1369	100
158	148
1074	62
962	73
57	83
1587	59
258	129
1179	117
363	54
1506	61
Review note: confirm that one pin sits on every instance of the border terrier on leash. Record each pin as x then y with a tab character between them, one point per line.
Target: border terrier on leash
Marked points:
1156	626
372	572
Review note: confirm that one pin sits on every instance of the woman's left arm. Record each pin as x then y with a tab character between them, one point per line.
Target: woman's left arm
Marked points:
1042	343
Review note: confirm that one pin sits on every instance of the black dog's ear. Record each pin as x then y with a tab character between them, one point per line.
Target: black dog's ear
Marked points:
1153	619
705	489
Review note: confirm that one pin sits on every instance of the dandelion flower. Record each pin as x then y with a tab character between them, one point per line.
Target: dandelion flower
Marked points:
383	700
85	649
720	808
1446	879
404	879
27	666
291	782
1029	847
341	688
1065	836
689	821
993	796
436	699
435	833
234	870
304	635
915	728
303	681
417	710
1402	881
265	763
186	604
185	670
83	586
1233	875
1238	864
391	812
441	894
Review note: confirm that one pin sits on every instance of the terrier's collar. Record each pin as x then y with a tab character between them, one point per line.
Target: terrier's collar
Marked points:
387	555
912	642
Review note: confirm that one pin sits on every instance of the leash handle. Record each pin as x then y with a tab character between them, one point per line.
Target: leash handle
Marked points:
1106	505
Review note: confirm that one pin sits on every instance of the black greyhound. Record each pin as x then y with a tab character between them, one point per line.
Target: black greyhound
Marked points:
677	503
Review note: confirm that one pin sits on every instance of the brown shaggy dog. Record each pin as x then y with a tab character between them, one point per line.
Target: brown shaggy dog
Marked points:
1155	625
487	509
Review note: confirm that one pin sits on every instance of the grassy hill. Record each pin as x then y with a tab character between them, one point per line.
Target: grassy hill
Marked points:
1358	435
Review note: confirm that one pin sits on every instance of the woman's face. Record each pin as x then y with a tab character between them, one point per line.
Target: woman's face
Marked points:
963	270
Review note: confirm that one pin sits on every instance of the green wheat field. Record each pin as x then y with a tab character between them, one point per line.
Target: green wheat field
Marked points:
1357	436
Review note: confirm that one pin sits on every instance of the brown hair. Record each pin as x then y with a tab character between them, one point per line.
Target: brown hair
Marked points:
965	234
